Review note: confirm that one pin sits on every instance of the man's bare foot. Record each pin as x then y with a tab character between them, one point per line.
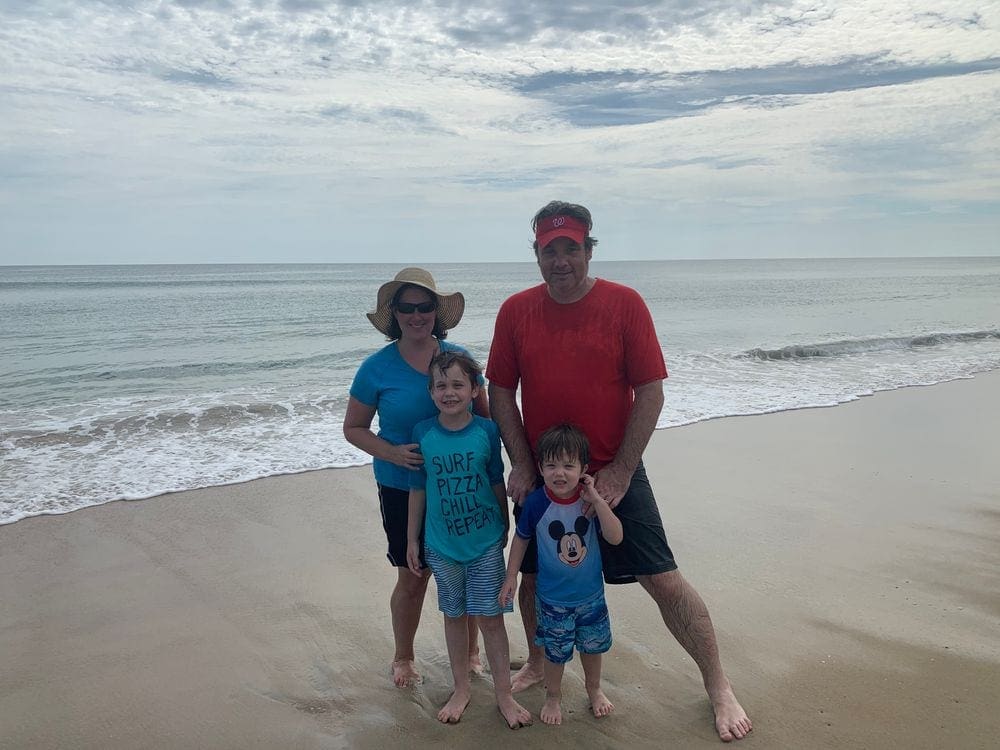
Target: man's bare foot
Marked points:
476	664
404	674
599	703
551	712
514	713
528	675
731	721
451	712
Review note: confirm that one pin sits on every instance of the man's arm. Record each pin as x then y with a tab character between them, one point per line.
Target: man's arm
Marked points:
613	479
503	408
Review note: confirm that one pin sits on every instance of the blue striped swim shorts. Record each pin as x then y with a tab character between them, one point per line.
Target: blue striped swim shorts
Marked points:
471	588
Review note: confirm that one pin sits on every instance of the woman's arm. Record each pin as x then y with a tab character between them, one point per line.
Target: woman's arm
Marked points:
358	431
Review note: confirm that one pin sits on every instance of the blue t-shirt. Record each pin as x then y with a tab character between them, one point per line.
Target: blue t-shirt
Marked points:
569	556
462	518
400	397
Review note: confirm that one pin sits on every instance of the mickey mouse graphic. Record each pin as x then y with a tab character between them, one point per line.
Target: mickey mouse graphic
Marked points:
570	545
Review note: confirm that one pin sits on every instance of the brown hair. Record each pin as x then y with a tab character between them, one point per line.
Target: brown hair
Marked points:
561	208
563	440
445	360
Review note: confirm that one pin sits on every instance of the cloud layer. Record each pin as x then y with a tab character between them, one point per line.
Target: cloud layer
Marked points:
209	130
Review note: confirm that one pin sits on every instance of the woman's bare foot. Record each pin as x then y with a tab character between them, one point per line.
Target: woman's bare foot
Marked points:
476	664
599	703
528	675
404	674
514	713
551	712
451	712
731	721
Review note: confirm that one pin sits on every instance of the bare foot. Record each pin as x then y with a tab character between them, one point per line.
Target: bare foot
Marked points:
731	721
404	674
551	712
451	712
476	664
599	703
528	675
514	713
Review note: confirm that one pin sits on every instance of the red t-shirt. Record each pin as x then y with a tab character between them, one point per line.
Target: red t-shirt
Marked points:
576	362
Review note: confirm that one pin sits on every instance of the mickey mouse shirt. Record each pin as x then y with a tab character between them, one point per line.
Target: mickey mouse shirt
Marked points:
569	556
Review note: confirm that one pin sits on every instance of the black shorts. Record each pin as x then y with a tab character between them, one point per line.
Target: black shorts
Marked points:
644	549
395	506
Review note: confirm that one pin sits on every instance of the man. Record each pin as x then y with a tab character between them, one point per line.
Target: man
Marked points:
585	351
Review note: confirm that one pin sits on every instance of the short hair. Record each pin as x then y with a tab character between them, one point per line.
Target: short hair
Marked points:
561	208
563	440
445	360
395	332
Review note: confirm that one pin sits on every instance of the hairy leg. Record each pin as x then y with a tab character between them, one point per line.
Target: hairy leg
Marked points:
599	702
498	653
551	712
686	616
405	605
456	636
533	670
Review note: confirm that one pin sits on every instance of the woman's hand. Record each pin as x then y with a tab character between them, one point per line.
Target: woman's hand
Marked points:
408	456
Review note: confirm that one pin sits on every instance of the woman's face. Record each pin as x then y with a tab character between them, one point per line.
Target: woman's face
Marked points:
415	325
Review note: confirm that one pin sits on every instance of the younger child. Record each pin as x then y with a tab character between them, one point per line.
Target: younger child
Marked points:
458	498
570	590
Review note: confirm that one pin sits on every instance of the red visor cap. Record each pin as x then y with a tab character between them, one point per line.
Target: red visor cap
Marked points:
552	227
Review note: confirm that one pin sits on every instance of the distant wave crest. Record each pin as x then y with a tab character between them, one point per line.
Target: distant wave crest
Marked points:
862	346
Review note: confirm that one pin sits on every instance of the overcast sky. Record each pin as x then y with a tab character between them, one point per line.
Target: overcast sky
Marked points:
302	130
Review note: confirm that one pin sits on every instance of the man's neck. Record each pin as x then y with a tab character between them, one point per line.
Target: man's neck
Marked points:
577	294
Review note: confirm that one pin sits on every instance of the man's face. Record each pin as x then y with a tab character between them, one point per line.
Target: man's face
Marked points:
564	265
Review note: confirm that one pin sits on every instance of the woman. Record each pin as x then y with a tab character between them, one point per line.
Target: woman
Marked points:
392	383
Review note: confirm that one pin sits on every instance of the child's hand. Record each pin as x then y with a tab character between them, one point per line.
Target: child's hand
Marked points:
589	495
507	591
413	558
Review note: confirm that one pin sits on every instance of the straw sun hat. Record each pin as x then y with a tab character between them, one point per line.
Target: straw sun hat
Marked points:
450	307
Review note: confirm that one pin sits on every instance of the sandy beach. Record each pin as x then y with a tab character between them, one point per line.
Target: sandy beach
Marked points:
850	557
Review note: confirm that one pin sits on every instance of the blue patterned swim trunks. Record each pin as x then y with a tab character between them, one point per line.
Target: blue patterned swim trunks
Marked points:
586	626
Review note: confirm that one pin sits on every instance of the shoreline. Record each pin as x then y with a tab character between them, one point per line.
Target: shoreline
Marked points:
781	410
848	557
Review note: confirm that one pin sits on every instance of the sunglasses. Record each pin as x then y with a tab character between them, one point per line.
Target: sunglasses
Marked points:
408	308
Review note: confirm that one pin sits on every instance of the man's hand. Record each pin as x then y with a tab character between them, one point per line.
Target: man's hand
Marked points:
612	483
521	482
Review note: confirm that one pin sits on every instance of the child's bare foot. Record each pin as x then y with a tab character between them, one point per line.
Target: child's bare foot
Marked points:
451	712
599	703
528	675
551	712
476	664
404	674
514	713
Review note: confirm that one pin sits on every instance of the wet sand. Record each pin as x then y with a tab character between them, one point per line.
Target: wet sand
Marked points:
850	557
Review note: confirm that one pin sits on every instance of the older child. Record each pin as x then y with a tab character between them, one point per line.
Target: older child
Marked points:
459	500
570	592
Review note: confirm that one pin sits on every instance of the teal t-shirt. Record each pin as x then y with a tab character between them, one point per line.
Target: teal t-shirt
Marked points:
462	518
399	395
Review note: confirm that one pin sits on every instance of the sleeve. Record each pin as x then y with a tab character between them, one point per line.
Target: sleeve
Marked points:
494	469
365	385
501	366
644	355
534	508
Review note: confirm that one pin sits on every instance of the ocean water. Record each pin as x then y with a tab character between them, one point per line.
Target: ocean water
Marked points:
127	382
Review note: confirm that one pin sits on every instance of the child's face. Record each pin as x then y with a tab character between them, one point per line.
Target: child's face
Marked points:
453	390
561	474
